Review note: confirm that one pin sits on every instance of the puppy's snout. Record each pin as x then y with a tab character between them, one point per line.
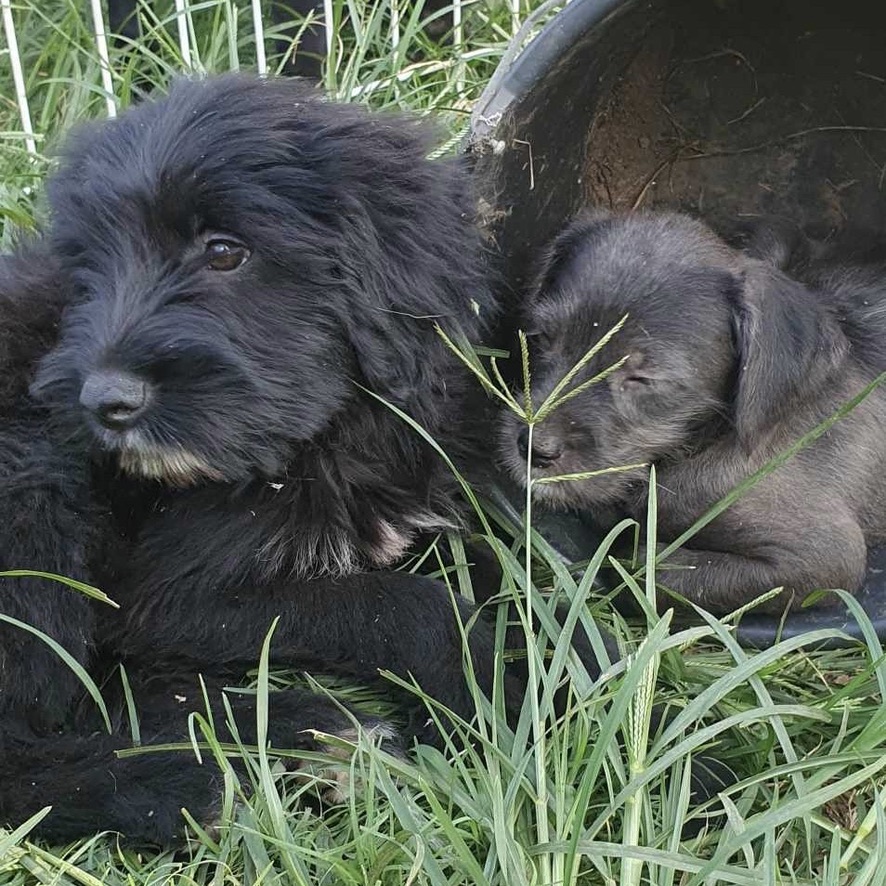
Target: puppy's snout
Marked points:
116	399
545	451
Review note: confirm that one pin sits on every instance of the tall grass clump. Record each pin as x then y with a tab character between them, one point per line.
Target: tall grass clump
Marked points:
593	790
381	54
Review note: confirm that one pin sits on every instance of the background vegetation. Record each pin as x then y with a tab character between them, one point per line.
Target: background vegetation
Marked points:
593	796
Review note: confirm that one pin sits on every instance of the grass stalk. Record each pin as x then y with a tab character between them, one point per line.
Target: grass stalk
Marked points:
535	645
580	796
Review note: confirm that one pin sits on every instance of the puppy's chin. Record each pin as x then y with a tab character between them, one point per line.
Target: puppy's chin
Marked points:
171	465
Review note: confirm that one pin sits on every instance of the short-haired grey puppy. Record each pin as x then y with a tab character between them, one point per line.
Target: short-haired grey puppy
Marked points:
728	362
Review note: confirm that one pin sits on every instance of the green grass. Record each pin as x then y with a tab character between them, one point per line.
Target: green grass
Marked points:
63	71
587	796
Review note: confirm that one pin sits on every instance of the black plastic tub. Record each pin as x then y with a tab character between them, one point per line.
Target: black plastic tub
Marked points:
727	109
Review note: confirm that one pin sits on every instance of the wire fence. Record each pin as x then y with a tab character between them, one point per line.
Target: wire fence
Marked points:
61	61
181	26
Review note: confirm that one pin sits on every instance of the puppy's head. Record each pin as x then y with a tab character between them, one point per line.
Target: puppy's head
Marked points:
714	344
244	255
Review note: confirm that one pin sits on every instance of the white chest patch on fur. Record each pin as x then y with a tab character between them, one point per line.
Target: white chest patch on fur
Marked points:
309	552
173	465
391	545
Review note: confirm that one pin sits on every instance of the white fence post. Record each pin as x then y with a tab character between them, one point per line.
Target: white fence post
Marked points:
261	59
104	58
18	77
184	36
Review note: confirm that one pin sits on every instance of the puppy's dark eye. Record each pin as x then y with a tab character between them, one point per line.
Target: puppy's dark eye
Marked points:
224	254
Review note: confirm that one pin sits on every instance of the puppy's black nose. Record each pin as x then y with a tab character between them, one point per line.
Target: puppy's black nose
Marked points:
117	399
544	452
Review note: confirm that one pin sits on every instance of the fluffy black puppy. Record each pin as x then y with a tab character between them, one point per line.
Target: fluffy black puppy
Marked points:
246	259
728	362
44	502
242	264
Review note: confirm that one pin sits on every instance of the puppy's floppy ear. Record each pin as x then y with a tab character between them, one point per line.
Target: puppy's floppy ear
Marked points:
400	358
413	259
788	347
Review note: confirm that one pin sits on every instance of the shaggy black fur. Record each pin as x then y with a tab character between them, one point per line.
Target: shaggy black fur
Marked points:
353	247
240	264
44	503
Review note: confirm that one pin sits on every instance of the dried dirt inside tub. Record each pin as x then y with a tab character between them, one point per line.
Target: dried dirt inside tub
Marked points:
739	110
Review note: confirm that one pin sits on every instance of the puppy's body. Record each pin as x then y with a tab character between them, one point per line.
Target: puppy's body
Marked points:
47	517
729	362
241	271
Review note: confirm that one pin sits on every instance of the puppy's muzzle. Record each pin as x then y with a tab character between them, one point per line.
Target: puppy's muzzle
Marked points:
116	399
545	451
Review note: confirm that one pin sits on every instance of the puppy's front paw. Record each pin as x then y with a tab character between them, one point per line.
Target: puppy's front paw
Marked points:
334	777
724	581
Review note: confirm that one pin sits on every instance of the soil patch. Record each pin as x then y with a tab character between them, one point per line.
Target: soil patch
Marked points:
731	110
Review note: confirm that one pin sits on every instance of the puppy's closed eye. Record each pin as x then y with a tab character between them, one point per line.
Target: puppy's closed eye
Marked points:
636	381
637	374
